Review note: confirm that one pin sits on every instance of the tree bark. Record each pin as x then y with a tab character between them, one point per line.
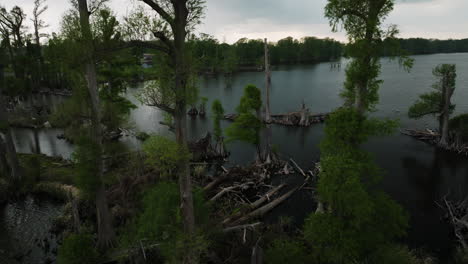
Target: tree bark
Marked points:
106	235
9	155
447	92
267	85
181	78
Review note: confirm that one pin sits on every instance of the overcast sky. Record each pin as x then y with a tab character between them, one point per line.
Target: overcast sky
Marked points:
230	20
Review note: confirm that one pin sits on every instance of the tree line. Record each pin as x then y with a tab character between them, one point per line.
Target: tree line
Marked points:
248	54
420	46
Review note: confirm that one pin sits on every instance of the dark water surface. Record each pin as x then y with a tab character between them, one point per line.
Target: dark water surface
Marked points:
417	175
25	235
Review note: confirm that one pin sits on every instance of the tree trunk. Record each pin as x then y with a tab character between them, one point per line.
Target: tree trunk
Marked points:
4	168
9	154
181	78
106	234
445	116
267	85
304	121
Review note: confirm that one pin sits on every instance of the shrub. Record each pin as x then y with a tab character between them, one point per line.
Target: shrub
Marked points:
78	249
164	155
286	251
161	222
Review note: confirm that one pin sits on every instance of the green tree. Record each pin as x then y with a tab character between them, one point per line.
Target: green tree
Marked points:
247	125
78	249
459	127
362	21
164	155
359	218
438	101
175	20
106	233
161	222
218	114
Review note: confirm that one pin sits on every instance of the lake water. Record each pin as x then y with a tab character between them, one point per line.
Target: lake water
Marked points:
417	175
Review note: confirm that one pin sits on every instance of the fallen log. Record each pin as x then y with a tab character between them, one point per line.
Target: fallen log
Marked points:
210	186
297	166
266	208
230	189
241	227
255	204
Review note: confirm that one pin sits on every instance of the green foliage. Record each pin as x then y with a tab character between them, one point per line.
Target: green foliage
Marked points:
246	127
459	127
78	249
287	251
218	114
165	155
461	256
251	100
85	155
361	218
394	254
432	103
161	221
143	136
213	56
416	46
428	103
362	21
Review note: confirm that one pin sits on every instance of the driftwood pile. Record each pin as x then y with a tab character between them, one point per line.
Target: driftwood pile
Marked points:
291	119
457	214
245	194
432	137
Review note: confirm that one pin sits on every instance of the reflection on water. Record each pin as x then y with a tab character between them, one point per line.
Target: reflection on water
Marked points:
416	175
48	143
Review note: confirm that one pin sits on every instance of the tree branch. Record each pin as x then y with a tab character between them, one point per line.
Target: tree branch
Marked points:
156	7
164	39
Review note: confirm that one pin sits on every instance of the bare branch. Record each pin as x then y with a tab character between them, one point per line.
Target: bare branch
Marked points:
163	13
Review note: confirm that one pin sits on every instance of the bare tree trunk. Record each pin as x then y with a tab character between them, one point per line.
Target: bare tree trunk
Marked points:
106	233
447	92
304	121
267	84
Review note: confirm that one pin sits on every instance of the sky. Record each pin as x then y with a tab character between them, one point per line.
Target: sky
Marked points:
230	20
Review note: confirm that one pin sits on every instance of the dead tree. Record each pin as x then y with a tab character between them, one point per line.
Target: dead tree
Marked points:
304	121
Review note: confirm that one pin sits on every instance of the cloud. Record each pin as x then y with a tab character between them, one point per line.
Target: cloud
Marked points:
275	19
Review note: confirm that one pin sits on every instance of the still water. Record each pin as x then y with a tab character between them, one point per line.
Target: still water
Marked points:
416	174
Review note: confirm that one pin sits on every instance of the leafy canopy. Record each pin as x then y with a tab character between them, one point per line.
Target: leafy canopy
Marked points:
246	127
218	114
165	155
432	103
360	218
